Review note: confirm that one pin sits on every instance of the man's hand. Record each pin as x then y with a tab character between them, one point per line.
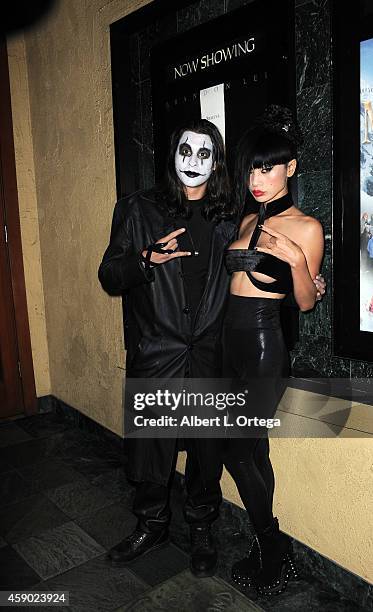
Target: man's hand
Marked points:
169	245
320	286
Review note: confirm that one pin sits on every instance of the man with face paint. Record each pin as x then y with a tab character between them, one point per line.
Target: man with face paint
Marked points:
166	258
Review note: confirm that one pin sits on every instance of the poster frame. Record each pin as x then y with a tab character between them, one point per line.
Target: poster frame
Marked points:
349	27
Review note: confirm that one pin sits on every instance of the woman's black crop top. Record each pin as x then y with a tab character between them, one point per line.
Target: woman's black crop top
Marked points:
249	260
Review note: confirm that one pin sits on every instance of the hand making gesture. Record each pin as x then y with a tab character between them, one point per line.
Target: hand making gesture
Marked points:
287	250
281	247
164	249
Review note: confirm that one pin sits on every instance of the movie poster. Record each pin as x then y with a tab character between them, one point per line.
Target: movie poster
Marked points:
366	185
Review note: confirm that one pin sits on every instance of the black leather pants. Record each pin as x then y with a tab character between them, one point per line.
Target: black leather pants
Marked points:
152	500
256	359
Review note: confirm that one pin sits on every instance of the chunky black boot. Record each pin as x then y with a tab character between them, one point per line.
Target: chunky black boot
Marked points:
135	545
204	556
277	565
246	569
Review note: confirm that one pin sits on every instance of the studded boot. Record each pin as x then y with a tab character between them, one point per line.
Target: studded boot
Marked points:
277	564
246	569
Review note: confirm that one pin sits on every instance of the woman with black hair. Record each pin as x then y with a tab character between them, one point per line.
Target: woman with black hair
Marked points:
278	250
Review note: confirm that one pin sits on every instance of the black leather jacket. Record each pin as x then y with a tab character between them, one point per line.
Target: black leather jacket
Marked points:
160	336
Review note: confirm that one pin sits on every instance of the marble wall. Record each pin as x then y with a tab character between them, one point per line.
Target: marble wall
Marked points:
312	355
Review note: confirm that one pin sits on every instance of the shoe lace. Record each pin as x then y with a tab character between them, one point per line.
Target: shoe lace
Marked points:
136	536
200	537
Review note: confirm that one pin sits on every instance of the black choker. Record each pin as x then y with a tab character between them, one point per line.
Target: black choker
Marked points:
277	206
265	211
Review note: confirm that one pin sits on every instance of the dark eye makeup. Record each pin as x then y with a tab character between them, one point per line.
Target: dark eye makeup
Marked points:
184	150
263	169
204	153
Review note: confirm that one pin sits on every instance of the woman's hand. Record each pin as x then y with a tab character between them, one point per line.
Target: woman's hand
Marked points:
282	247
320	283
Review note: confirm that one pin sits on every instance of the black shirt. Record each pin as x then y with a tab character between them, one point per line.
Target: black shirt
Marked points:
195	267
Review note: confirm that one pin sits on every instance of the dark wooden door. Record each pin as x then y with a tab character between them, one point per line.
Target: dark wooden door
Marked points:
11	399
17	385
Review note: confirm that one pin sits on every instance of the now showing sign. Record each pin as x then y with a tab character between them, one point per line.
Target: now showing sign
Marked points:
228	53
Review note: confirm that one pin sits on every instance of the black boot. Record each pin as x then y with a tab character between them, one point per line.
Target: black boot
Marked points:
277	565
204	556
246	569
136	544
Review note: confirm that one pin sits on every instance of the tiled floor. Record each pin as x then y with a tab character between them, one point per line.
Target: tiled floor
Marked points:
64	501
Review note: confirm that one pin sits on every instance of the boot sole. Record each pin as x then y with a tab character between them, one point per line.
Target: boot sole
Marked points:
243	582
149	550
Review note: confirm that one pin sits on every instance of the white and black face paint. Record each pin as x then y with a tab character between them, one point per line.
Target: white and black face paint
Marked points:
193	159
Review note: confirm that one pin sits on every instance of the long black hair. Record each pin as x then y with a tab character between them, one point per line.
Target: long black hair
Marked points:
272	139
171	191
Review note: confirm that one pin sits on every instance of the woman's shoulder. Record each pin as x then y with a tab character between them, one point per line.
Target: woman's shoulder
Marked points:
307	226
308	221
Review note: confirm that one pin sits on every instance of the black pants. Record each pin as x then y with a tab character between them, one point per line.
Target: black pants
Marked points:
256	359
152	500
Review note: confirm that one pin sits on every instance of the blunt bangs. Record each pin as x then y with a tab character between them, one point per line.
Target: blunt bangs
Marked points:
269	149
